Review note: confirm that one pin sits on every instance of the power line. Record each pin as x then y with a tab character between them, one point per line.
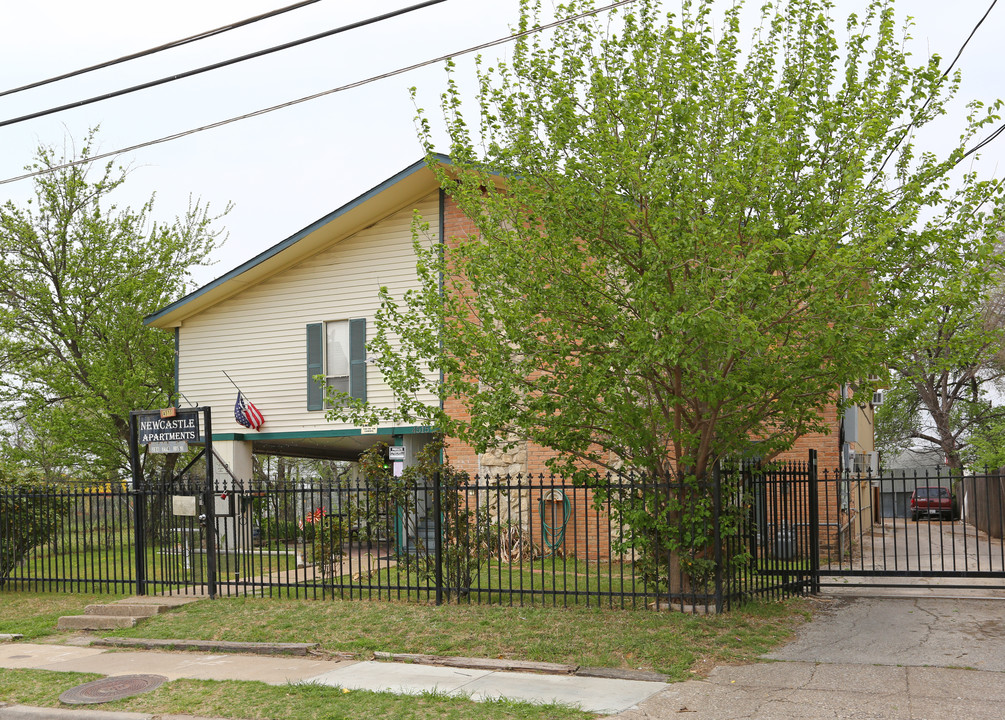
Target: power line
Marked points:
315	96
970	37
983	143
217	66
997	132
160	48
928	100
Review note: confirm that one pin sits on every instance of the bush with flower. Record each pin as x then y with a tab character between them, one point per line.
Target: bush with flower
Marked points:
325	536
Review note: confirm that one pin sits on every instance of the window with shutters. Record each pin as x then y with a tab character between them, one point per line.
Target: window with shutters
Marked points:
337	355
336	351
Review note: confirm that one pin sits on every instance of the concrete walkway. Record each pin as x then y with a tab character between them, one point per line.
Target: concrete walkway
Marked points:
599	695
820	691
895	658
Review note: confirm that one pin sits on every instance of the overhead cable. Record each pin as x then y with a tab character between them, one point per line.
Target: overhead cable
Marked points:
983	143
161	48
315	96
218	65
928	100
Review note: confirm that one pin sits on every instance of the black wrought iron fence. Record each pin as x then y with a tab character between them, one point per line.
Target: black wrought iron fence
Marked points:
899	528
622	540
71	537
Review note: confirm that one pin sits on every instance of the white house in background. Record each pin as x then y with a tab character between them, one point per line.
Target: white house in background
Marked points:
304	307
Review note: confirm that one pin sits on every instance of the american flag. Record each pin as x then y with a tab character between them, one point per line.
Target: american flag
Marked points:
247	414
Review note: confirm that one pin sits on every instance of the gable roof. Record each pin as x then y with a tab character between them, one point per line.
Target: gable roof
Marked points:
395	193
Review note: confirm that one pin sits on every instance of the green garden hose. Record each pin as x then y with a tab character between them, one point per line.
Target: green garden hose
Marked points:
553	533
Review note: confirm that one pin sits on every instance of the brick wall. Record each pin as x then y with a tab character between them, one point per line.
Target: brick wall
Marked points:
529	459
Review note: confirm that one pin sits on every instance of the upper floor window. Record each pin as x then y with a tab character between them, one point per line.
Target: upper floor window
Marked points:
337	355
336	350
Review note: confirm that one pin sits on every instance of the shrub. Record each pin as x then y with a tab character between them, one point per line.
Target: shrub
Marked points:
468	534
275	530
326	536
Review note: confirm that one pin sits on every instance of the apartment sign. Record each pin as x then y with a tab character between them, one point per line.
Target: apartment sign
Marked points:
182	428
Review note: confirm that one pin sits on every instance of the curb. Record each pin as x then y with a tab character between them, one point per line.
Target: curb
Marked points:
478	663
304	649
208	646
30	712
8	637
619	674
499	665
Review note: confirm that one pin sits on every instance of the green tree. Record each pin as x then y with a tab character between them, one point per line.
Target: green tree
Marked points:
77	275
986	449
686	242
946	346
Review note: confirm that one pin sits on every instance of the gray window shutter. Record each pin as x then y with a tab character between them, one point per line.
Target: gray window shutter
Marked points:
357	358
315	366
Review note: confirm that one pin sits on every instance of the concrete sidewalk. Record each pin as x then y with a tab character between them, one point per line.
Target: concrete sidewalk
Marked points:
823	691
599	695
895	658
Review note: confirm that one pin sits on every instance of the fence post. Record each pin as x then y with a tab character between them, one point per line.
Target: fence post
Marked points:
437	537
814	502
139	510
209	495
717	532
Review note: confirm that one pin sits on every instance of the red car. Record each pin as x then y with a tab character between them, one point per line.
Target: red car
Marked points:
933	501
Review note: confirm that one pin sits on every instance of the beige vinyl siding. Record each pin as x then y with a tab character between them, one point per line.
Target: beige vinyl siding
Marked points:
259	335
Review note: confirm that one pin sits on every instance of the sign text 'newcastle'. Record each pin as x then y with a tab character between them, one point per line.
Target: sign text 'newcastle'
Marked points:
184	427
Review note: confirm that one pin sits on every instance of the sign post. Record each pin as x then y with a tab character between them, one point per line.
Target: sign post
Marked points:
210	506
140	509
170	431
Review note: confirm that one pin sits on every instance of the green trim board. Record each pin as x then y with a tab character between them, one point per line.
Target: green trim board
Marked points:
177	366
350	432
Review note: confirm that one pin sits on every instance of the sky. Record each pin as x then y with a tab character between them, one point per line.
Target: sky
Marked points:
284	170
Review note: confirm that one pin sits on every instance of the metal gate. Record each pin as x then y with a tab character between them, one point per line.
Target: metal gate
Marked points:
175	541
911	530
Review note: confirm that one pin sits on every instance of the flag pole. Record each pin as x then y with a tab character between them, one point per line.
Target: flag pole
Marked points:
251	405
235	384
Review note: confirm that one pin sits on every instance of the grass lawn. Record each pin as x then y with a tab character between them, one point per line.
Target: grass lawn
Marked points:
676	644
34	615
681	646
255	700
114	565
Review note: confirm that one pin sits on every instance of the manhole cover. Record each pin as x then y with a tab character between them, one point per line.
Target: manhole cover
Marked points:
111	688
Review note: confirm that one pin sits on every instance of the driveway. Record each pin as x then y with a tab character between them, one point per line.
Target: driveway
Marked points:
862	657
917	632
926	545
